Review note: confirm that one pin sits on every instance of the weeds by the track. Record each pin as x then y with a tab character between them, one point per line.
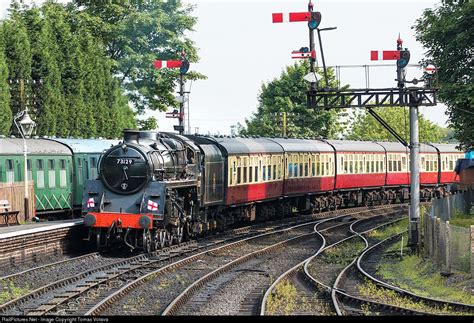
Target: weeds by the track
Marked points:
9	291
342	253
282	300
421	277
388	231
372	291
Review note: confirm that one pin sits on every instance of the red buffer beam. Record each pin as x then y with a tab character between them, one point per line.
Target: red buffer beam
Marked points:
386	55
290	17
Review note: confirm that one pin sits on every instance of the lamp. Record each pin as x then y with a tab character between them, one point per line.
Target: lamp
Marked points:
25	126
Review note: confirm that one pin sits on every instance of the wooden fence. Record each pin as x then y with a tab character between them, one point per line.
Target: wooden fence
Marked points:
15	194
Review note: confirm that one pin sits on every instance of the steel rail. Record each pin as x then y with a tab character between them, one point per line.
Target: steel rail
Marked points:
305	264
102	305
42	267
401	291
179	301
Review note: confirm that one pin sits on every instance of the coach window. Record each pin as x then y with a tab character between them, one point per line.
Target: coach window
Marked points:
51	173
40	173
10	170
30	172
269	168
326	165
290	166
251	169
239	171
404	164
306	166
244	170
435	163
62	173
274	165
422	162
356	164
280	167
361	164
451	162
93	168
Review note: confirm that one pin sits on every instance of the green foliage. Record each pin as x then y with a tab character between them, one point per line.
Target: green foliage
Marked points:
6	117
447	34
9	291
462	220
365	127
148	124
372	291
70	89
135	33
288	94
342	253
388	231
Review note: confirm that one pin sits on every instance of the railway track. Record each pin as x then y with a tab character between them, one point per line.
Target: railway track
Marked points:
363	269
83	293
335	291
162	277
312	295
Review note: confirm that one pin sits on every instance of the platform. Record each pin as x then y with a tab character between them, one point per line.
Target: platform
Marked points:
24	229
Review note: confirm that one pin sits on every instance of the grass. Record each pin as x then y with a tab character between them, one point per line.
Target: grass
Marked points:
282	300
421	277
462	220
343	253
9	291
385	232
372	291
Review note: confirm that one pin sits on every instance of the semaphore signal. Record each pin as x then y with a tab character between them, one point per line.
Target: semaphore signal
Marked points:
183	66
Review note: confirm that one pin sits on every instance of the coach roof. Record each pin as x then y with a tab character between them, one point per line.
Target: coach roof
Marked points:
303	145
81	146
238	145
14	146
356	146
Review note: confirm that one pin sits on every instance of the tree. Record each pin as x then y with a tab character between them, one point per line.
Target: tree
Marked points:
6	117
447	34
365	127
18	56
135	33
287	94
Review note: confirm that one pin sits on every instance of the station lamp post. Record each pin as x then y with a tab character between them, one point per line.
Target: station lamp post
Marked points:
25	126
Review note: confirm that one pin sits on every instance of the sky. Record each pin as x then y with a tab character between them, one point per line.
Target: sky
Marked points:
240	49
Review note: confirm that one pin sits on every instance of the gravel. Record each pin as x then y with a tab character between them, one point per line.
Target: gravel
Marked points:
152	297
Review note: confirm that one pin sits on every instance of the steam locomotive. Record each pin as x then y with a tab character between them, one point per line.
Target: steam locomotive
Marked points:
155	189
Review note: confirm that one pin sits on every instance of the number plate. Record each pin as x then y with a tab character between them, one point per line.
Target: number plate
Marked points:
124	161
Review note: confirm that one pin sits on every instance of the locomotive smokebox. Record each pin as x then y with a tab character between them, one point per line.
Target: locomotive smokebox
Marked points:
131	136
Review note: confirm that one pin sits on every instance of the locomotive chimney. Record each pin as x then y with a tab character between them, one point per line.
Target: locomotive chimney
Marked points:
130	136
